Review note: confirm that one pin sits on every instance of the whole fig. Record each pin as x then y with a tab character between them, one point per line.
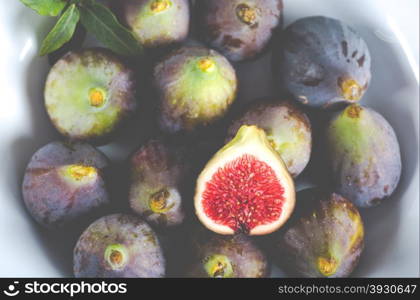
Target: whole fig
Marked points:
364	155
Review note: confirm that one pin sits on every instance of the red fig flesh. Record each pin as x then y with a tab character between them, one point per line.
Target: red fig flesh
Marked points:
245	187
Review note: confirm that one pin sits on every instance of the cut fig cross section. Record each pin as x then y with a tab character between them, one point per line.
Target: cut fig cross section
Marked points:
245	187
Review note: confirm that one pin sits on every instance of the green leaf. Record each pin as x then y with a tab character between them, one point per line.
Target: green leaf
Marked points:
46	7
62	31
103	24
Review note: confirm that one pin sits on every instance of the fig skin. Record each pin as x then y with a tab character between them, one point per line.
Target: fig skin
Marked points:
322	62
364	155
156	23
89	94
245	258
64	182
324	239
138	250
156	192
195	86
287	128
240	30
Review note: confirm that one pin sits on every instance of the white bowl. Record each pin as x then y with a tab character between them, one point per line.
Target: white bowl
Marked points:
391	29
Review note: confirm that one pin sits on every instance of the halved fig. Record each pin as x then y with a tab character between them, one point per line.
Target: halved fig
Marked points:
245	187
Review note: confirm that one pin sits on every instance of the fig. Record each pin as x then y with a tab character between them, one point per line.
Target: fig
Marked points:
64	182
245	187
195	86
364	155
236	256
322	62
89	94
287	128
324	239
157	171
156	23
239	29
118	245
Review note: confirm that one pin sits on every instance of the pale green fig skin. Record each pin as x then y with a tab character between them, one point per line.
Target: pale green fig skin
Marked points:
190	97
246	259
156	190
287	128
364	155
143	256
156	23
325	239
68	91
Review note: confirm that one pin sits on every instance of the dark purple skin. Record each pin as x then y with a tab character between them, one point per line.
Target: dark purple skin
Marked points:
223	28
315	56
67	92
246	258
158	170
325	228
51	199
142	255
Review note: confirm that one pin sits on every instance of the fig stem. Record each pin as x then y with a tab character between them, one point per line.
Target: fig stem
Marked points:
97	97
158	201
353	111
160	5
206	65
116	256
351	90
78	172
327	266
246	14
218	266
